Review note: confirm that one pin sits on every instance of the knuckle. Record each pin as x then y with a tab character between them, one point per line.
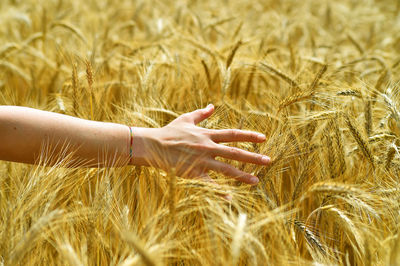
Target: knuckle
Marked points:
234	151
201	147
184	117
230	170
210	133
206	132
234	133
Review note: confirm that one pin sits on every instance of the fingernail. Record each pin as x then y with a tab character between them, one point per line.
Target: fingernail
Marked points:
253	180
265	159
228	197
209	106
261	137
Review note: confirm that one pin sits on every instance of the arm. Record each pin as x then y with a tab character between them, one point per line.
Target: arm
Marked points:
191	150
24	130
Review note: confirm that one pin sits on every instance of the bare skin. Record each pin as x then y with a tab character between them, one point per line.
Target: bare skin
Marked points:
189	149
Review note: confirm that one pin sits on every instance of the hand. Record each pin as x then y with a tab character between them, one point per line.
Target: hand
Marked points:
192	150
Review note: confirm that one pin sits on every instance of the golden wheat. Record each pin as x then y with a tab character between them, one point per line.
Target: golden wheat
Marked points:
318	78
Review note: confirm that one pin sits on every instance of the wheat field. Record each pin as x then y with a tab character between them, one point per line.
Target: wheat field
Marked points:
319	78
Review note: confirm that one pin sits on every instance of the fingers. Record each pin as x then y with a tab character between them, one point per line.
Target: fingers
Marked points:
241	155
207	178
231	171
199	115
230	135
199	173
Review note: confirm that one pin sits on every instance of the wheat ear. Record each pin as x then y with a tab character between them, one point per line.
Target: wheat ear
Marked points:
360	141
232	54
89	76
280	74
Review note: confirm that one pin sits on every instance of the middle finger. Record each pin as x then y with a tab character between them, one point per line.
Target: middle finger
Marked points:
234	135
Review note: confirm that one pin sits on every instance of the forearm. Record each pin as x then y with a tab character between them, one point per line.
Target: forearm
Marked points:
25	131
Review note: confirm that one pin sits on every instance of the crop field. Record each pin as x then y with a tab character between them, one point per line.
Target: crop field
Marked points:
319	78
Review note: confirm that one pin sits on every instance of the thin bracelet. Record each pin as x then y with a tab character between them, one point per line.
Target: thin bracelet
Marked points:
130	145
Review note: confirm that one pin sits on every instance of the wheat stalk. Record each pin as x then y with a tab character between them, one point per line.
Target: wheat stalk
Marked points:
319	75
378	84
90	80
207	72
329	146
226	83
139	247
280	74
354	93
294	99
172	194
355	43
238	237
70	27
334	187
309	235
232	54
250	81
26	243
368	118
362	144
339	146
75	89
69	255
389	156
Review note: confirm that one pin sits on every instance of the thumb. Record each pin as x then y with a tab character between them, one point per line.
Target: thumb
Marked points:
200	114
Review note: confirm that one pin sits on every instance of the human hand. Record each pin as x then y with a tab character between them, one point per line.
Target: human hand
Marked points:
191	150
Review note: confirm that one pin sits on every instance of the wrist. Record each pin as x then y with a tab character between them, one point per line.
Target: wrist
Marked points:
141	144
130	146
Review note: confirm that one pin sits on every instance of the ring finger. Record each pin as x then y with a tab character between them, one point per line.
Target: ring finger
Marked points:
231	171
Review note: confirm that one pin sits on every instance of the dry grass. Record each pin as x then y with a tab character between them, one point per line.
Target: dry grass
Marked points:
319	78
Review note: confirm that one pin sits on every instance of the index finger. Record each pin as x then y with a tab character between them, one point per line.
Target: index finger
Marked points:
234	135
